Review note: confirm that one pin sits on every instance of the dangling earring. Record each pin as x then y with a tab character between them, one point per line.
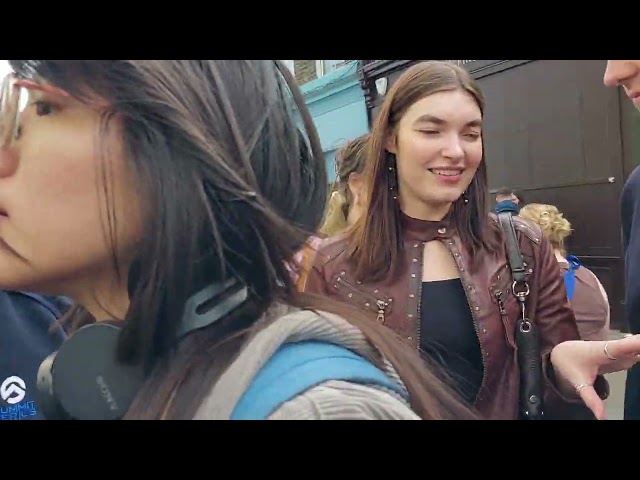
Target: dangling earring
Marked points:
393	179
464	198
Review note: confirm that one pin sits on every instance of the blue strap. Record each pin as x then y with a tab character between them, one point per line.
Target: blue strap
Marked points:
297	367
570	275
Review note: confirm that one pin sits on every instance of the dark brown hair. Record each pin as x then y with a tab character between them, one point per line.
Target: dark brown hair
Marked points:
231	186
376	240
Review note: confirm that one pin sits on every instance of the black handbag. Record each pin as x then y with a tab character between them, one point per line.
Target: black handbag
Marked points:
526	334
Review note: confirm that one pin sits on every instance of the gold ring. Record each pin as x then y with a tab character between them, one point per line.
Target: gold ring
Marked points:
606	352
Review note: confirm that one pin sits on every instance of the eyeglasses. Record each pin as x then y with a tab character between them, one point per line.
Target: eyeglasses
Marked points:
13	96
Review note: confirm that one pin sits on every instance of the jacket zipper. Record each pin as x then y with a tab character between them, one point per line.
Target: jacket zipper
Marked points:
473	316
381	304
419	298
501	306
381	308
419	318
503	311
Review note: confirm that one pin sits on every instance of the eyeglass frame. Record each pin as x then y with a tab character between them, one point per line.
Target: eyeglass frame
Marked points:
10	94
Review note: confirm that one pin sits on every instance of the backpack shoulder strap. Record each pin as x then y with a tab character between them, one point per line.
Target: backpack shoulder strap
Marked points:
570	282
297	367
570	275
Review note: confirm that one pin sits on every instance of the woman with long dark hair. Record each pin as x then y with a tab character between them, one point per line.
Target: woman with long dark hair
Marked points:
168	198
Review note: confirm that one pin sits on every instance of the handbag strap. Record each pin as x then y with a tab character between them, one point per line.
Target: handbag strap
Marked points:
516	262
531	383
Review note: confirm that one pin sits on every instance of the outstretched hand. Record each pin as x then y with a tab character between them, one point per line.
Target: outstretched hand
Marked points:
577	364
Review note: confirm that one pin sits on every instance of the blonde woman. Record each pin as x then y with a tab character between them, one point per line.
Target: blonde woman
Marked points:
586	294
345	205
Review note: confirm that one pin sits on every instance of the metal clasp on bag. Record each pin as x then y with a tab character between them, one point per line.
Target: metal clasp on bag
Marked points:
521	290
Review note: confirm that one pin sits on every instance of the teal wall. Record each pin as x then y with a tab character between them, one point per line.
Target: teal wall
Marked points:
336	103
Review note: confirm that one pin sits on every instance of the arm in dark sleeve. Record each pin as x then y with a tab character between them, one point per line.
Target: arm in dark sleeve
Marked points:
628	205
631	242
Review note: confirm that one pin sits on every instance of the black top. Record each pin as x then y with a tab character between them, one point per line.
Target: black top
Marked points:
448	335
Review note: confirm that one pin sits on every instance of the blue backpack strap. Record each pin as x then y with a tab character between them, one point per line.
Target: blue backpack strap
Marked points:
297	367
570	275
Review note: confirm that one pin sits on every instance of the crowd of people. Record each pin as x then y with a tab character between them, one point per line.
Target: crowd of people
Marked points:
166	228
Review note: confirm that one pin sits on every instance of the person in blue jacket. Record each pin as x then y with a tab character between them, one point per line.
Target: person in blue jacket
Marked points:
508	200
29	333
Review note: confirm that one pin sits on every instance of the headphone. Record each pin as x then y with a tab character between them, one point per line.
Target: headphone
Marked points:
83	379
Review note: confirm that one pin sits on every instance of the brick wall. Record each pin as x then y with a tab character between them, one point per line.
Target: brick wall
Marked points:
305	71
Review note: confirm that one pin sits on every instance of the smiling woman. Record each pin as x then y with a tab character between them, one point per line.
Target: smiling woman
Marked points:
452	127
428	260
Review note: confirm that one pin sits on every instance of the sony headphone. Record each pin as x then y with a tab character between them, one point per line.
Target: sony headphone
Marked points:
84	381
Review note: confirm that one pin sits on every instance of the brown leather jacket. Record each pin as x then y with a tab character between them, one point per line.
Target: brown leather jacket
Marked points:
487	281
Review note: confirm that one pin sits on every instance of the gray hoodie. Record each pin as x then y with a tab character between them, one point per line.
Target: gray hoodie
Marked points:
332	400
